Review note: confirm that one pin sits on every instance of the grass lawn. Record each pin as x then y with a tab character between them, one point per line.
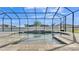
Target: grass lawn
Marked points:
76	31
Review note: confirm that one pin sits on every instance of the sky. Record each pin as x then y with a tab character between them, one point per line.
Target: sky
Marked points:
36	13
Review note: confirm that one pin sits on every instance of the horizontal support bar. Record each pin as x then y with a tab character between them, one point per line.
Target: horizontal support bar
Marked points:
31	18
28	12
34	13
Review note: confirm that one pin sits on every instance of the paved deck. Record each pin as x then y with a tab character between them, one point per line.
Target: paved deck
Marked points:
29	47
71	47
10	43
68	39
9	38
64	38
77	36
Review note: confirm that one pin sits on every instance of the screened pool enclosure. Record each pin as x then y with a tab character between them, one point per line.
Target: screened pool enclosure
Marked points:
40	22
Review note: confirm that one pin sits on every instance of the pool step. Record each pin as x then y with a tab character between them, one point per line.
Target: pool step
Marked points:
63	39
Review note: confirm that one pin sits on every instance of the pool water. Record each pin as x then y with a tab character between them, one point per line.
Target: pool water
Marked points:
40	39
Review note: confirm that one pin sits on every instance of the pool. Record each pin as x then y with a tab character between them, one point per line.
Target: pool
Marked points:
40	39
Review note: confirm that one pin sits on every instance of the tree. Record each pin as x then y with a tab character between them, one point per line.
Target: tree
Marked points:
37	23
26	25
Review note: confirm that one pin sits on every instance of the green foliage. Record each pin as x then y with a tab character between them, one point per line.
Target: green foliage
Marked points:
26	25
37	23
